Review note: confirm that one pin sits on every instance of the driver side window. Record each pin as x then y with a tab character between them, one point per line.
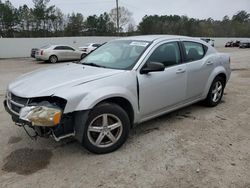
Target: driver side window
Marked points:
168	54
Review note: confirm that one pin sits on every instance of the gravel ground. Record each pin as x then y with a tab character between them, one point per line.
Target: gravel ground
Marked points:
192	147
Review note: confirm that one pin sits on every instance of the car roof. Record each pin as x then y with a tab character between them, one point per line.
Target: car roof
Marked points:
56	45
151	38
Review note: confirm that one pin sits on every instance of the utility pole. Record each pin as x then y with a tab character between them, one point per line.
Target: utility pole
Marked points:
117	16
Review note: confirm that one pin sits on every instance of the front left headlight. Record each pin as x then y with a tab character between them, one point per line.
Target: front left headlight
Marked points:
41	115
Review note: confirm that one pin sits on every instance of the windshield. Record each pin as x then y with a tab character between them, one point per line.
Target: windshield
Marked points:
120	54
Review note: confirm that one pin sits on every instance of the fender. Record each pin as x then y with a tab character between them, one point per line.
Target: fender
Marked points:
218	70
93	98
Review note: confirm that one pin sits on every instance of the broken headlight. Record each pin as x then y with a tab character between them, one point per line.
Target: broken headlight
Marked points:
41	115
44	112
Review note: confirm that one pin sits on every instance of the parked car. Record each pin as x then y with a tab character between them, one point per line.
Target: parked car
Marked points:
229	44
245	44
55	53
33	52
233	44
119	85
209	41
236	43
89	47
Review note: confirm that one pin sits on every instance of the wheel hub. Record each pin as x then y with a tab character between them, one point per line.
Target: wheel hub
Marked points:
217	91
104	130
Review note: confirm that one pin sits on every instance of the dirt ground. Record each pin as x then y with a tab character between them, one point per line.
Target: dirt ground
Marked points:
192	147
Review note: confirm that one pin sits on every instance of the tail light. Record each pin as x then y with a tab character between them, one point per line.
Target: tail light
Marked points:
41	52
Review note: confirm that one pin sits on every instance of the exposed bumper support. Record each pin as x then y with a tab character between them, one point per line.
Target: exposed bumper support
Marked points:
63	130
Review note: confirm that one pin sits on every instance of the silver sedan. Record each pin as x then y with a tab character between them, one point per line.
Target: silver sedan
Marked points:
121	84
55	53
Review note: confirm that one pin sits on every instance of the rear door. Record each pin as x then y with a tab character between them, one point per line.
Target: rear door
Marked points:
199	68
72	54
60	52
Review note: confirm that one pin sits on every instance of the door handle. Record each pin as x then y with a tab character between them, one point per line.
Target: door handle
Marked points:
179	71
210	63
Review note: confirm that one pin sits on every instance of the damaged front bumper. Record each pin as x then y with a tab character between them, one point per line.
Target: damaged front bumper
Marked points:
44	120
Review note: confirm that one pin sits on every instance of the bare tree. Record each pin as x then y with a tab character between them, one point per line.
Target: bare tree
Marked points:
124	16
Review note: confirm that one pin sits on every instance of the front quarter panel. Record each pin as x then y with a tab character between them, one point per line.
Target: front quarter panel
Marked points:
95	97
87	95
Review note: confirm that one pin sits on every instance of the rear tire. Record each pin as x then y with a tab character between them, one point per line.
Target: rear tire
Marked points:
215	93
53	59
106	129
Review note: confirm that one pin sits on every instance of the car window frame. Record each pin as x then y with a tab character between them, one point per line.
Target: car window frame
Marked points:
145	59
55	48
68	48
204	47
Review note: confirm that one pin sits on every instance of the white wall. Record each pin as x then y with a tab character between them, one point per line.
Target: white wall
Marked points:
20	47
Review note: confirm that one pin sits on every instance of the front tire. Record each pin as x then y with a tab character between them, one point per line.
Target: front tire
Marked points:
106	129
215	93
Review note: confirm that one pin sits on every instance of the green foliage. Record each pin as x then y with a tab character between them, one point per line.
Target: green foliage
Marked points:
238	26
46	21
75	25
99	25
8	19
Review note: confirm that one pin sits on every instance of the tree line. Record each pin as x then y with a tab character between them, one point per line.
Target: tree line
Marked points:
44	20
237	26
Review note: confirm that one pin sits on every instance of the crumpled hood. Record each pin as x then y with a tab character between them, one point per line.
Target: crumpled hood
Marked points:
45	82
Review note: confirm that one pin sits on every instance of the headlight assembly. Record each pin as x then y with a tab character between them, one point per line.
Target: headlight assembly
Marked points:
41	115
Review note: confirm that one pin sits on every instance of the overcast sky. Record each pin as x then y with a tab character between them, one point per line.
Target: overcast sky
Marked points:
215	9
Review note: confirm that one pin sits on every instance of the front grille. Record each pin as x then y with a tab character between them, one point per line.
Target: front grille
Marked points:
19	100
15	103
15	108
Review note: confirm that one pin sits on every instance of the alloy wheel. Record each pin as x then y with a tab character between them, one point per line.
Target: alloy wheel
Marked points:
217	91
53	59
105	130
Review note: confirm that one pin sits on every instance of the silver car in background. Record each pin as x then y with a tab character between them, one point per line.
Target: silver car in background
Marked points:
55	53
89	47
121	84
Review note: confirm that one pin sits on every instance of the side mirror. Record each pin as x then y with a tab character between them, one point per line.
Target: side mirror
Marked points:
152	67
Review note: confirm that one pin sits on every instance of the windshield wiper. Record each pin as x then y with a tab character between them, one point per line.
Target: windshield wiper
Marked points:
94	65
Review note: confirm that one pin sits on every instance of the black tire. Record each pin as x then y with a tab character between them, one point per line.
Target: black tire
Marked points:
53	59
209	101
108	109
83	56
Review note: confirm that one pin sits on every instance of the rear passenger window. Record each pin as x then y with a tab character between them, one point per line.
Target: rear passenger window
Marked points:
59	48
168	54
68	48
194	51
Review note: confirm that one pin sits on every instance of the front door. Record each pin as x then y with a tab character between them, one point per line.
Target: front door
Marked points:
160	91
